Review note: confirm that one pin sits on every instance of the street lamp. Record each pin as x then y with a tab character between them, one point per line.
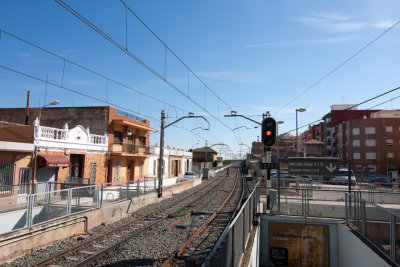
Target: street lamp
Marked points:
53	103
277	134
297	131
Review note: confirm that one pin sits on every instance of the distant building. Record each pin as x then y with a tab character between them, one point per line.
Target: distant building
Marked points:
176	162
204	154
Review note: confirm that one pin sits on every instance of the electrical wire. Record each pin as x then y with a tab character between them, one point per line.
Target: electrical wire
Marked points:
346	109
90	97
115	43
339	66
88	69
173	53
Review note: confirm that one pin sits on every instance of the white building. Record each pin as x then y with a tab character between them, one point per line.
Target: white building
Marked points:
176	162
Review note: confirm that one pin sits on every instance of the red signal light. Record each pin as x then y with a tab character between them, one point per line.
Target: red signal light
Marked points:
268	133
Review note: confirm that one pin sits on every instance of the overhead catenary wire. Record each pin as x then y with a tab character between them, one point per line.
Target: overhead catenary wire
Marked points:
109	79
126	51
88	96
173	53
339	66
348	108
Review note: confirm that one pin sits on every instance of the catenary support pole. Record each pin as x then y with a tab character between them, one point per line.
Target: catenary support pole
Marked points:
160	166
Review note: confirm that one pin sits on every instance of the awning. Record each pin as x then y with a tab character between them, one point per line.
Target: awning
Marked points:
134	125
51	160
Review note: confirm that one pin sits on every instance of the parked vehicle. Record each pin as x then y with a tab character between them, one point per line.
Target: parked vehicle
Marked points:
187	176
343	177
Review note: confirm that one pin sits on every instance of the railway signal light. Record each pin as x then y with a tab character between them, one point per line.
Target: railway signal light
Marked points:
268	131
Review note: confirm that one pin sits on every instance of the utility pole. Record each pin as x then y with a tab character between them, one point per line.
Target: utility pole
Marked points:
161	166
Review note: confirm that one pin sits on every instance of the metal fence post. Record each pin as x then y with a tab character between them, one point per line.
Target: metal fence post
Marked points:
363	219
29	207
69	200
101	195
346	205
393	237
127	189
98	196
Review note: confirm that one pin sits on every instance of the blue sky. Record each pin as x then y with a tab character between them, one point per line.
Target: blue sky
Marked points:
255	56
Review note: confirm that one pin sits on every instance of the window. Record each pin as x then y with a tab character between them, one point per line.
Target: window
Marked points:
389	142
142	140
24	180
371	168
356	156
356	143
356	131
117	137
389	129
155	167
390	154
179	164
163	166
370	155
370	142
359	168
369	130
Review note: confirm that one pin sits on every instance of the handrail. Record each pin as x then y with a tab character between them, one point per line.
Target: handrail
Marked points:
229	227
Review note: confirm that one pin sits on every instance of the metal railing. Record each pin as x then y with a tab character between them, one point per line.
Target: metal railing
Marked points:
130	148
231	245
377	224
54	200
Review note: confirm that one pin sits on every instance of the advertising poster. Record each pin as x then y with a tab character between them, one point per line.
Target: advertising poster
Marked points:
292	244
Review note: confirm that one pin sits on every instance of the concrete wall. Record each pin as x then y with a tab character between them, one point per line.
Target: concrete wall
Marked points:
353	252
15	244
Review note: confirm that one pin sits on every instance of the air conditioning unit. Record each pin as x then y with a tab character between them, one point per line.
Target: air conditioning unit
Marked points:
128	131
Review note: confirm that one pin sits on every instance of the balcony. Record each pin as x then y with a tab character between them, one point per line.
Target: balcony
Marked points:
127	149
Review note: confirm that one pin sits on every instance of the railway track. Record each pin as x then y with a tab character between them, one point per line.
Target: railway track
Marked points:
153	236
194	250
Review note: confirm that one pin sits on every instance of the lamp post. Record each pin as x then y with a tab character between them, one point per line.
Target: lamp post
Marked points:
53	103
297	131
277	135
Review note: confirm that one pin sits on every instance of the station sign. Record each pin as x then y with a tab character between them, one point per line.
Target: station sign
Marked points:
314	166
270	166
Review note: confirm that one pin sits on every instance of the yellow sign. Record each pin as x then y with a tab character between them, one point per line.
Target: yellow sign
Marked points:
292	244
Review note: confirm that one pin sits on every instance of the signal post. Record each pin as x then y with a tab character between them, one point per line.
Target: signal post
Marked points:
268	137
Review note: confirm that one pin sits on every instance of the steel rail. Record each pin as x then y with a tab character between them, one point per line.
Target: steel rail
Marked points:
69	251
182	248
112	247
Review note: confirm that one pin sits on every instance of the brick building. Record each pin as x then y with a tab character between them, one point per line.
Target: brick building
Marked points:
128	137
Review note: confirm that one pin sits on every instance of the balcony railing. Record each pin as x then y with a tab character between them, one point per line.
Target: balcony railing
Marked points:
52	134
130	148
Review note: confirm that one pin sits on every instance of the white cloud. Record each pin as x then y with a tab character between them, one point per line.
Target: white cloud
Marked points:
341	22
333	40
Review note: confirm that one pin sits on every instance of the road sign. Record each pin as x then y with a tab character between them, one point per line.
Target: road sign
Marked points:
314	166
265	166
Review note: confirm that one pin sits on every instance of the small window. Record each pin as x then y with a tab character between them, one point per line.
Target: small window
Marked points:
155	167
142	140
389	129
356	143
370	142
356	131
389	142
369	130
356	156
370	155
372	168
390	155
